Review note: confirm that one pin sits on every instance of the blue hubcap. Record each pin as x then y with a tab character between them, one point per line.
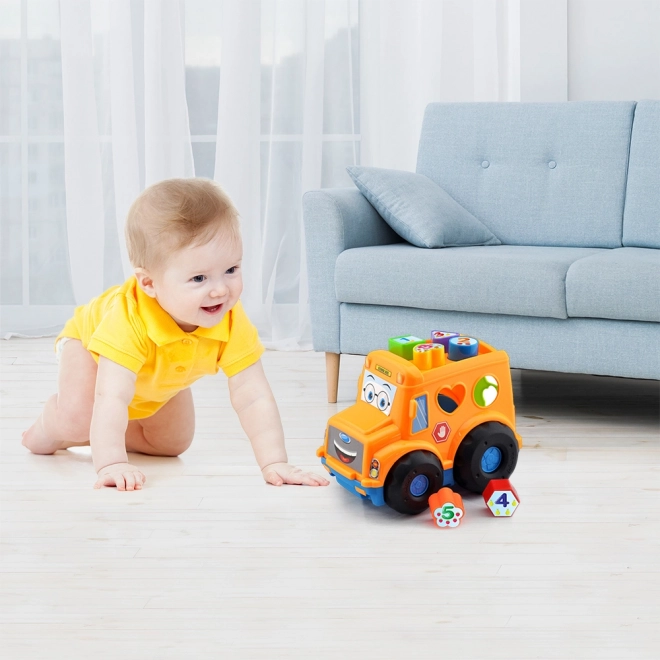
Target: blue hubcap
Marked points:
419	485
491	459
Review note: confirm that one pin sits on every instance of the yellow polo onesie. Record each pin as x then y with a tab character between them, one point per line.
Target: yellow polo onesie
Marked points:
130	328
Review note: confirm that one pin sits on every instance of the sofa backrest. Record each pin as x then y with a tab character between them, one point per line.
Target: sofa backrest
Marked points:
533	173
641	217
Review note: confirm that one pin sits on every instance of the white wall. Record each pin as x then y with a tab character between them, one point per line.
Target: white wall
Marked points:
589	50
613	50
543	50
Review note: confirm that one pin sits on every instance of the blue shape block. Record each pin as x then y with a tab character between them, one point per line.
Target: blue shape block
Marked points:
461	348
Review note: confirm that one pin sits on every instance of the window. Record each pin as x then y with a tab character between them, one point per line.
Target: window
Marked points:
421	420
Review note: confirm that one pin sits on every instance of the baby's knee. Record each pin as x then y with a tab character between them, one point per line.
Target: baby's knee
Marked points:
74	423
176	447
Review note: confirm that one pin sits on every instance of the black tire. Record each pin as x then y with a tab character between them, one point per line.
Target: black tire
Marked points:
468	469
398	493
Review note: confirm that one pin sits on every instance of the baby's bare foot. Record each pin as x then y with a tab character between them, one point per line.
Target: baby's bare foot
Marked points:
36	441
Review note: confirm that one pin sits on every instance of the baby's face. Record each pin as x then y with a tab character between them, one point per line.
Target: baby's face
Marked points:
200	284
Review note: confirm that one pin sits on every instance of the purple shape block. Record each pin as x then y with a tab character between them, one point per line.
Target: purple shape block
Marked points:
443	337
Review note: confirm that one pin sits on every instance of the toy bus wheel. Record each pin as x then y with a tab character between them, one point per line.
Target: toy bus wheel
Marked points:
489	451
412	480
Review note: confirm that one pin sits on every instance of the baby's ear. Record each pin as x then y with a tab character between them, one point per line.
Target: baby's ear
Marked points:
145	281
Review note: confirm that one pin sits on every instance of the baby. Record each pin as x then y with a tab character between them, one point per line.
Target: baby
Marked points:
127	359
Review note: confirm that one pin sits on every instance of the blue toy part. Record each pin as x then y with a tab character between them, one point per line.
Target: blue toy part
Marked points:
419	485
491	460
377	495
461	348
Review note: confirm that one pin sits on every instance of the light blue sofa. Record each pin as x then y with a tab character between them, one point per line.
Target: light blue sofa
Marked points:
572	190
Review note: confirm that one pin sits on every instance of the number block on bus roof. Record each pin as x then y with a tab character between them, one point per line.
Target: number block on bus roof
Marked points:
403	346
461	348
428	356
501	498
442	337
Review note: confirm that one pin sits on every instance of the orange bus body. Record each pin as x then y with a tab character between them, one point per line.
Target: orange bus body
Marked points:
385	438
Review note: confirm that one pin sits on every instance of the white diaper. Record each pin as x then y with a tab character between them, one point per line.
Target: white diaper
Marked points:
59	346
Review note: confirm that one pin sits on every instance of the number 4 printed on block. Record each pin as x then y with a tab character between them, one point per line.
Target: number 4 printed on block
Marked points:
501	498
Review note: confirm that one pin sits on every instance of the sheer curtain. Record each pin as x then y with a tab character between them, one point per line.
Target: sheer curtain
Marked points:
270	98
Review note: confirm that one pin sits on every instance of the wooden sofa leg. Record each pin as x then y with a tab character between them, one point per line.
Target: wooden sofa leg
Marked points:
332	375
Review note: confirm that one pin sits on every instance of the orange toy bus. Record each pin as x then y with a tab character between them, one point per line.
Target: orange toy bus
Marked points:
423	420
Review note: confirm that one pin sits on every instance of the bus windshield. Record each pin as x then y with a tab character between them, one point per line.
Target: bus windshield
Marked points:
377	392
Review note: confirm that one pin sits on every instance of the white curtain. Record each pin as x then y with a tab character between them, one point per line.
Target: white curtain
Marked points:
415	52
269	97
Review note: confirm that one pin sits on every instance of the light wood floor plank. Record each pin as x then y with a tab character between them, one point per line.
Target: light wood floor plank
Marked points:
208	561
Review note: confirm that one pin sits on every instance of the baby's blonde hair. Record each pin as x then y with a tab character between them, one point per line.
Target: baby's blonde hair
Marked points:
177	213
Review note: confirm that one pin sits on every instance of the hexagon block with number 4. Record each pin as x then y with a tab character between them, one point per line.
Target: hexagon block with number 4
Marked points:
501	497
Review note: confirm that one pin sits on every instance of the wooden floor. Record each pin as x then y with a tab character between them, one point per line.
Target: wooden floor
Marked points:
208	562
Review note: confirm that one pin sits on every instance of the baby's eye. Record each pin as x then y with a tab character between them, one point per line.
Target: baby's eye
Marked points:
232	270
198	278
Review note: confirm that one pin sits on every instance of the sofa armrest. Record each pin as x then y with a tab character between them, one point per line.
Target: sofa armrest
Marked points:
335	220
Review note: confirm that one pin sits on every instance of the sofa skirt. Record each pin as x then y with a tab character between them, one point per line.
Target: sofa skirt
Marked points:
576	345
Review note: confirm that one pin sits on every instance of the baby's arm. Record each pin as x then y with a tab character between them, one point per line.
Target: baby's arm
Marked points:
115	387
257	411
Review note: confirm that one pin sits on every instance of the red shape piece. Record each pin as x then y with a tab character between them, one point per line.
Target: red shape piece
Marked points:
441	432
500	485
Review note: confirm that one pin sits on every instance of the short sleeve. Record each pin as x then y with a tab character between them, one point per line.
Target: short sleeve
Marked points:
120	335
243	348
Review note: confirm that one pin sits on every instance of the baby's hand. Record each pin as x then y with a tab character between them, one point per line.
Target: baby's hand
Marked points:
122	475
283	473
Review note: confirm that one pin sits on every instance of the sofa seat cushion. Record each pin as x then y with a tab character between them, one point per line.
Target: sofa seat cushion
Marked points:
494	279
619	284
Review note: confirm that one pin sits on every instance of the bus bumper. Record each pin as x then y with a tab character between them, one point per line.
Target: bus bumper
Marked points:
376	495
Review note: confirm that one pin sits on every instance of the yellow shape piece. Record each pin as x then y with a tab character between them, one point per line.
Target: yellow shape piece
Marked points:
514	503
508	513
490	503
497	513
422	359
438	356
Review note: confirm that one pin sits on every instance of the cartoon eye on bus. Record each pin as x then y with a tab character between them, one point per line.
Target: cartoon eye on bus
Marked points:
428	414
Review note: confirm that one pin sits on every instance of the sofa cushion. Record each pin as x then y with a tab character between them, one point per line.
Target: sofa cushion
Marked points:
419	210
496	279
641	218
534	173
615	284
